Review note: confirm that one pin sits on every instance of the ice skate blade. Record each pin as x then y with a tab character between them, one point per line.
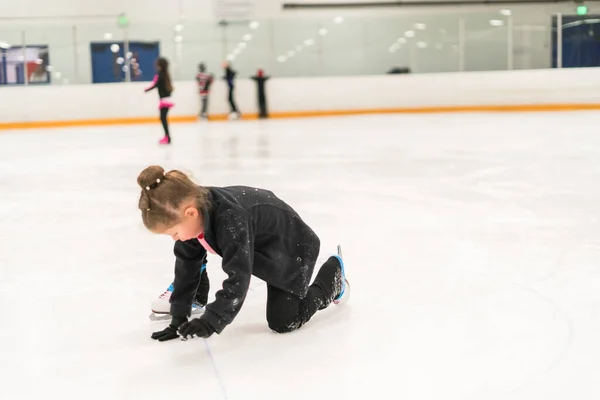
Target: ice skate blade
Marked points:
159	317
346	295
154	316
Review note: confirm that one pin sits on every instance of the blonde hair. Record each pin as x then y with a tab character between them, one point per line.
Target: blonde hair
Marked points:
163	195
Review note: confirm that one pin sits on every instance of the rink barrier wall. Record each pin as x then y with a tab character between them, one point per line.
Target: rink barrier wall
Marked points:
126	104
224	117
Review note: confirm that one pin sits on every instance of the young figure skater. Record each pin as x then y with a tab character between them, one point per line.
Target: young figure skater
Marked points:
204	80
255	233
230	78
260	80
162	81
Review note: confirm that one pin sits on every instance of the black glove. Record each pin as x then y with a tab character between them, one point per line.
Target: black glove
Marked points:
196	327
170	332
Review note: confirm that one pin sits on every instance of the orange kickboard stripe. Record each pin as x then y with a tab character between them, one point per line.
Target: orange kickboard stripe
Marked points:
300	114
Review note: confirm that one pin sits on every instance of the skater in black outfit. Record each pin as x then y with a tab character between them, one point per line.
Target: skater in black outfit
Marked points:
230	77
261	79
256	234
162	82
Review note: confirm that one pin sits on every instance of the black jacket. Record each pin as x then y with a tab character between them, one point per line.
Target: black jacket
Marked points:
229	77
160	82
260	83
255	233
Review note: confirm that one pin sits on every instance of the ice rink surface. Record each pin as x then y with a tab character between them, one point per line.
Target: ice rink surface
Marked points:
472	243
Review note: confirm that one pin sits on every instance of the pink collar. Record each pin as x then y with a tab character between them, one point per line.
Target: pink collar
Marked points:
205	244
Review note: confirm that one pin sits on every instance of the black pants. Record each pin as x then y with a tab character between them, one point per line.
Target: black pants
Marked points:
163	118
286	312
204	105
203	289
262	106
231	101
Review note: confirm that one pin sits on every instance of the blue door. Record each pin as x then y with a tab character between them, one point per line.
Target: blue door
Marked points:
580	41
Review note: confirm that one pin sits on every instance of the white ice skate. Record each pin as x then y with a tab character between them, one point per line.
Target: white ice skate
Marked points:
344	295
161	307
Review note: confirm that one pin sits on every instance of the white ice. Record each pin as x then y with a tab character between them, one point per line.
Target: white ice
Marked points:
472	243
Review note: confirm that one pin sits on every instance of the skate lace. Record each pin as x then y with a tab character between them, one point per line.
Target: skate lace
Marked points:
162	296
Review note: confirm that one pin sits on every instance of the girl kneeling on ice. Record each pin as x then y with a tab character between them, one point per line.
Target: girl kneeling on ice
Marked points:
255	233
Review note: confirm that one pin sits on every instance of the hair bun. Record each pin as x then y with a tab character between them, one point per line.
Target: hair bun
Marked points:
150	176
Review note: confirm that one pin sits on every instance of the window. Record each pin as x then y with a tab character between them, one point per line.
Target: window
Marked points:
109	61
20	63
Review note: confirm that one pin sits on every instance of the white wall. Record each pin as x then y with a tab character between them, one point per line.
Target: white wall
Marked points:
357	46
81	102
157	10
136	9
